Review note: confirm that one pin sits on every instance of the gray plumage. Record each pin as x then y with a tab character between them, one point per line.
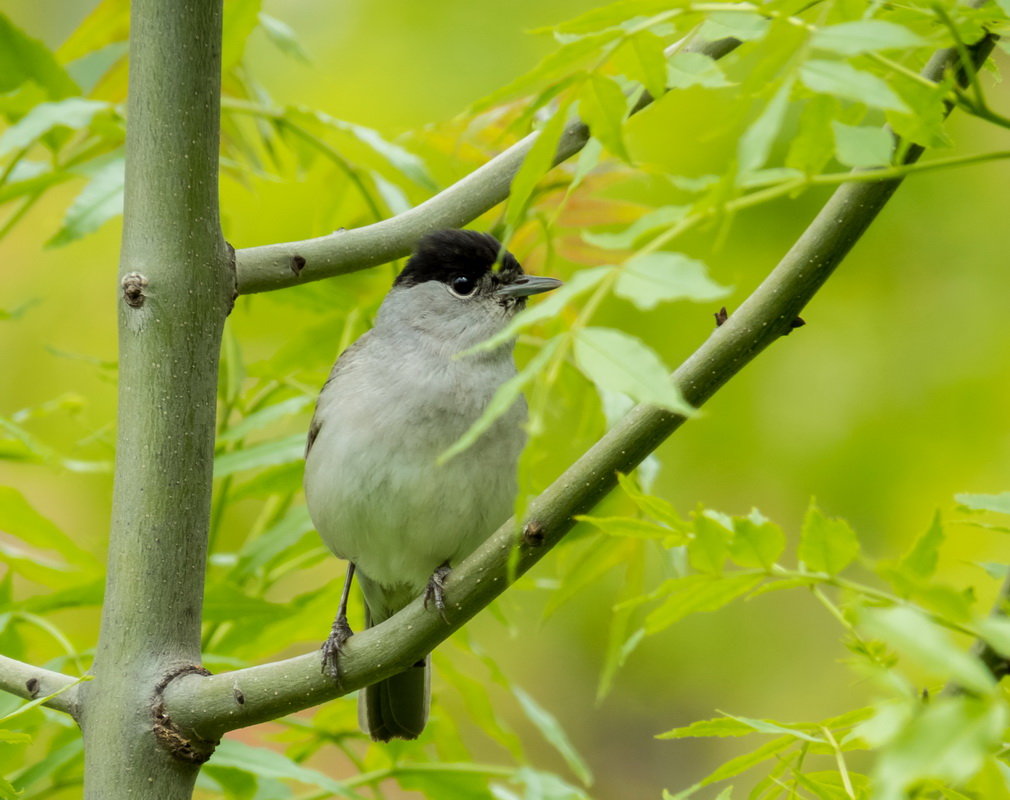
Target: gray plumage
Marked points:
395	400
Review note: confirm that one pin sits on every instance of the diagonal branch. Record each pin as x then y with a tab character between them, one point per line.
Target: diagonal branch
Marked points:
31	682
208	706
275	266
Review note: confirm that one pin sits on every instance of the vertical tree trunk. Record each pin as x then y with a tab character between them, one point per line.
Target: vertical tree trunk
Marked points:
176	288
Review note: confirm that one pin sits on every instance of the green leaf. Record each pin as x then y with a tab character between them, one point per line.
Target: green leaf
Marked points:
538	161
826	545
231	373
107	23
740	764
925	644
264	417
240	18
101	200
619	647
756	542
237	784
861	36
282	37
641	58
921	560
708	728
756	142
225	602
283	535
603	107
89	69
579	284
477	701
82	595
7	790
655	507
767	726
614	14
588	568
504	398
949	739
396	156
842	80
556	65
862	146
20	520
39	701
747	26
553	733
634	528
536	785
995	630
709	545
661	217
586	162
52	762
697	594
23	58
684	70
998	503
271	764
924	122
267	454
74	113
653	278
617	362
813	145
392	195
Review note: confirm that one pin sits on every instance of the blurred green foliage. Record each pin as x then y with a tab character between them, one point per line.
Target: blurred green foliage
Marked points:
891	400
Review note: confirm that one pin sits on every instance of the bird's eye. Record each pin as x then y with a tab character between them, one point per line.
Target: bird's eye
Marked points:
463	285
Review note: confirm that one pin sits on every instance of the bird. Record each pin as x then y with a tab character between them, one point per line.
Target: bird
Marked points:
395	400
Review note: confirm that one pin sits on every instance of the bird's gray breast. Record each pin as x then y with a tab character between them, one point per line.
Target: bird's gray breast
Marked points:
375	490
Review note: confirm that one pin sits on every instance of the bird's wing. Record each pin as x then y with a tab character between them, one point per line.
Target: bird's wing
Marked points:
343	361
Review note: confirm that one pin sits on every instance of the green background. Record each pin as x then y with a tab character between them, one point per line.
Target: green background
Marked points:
889	401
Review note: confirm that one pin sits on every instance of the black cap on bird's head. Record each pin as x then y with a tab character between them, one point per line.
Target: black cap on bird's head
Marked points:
465	262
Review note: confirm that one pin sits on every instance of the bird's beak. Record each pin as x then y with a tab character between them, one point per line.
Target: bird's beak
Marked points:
525	285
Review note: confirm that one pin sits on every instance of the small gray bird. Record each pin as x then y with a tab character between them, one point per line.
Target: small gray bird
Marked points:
396	399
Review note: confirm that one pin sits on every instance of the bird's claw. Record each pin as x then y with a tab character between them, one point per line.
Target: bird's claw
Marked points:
339	633
435	591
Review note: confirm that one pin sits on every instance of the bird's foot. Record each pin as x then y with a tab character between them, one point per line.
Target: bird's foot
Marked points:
435	591
339	633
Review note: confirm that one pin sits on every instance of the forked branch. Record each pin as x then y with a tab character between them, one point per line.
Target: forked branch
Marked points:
209	706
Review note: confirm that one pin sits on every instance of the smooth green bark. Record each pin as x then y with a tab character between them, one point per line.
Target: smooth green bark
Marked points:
176	288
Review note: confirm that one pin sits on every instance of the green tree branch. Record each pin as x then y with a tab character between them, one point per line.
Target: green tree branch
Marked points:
208	706
275	266
31	682
176	287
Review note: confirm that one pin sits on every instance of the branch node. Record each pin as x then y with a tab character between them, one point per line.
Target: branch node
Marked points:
297	264
33	686
233	271
799	322
721	316
533	533
134	285
182	745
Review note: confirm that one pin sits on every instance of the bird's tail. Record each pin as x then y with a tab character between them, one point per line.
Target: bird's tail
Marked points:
397	707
